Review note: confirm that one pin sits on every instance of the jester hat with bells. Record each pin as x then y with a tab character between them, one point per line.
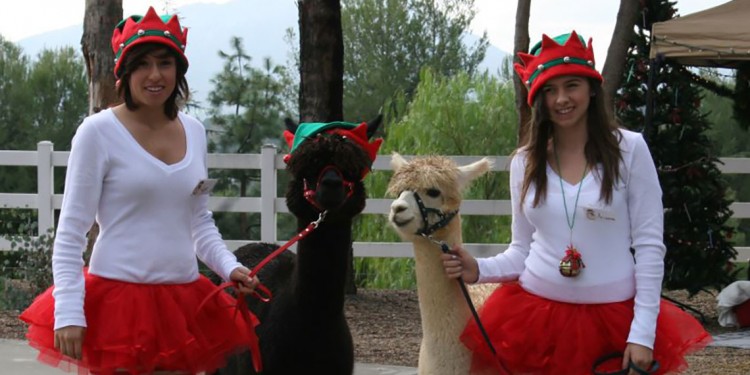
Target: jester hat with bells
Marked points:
357	133
151	28
566	54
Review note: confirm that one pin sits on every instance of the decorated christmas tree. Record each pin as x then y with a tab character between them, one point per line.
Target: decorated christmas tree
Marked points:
696	208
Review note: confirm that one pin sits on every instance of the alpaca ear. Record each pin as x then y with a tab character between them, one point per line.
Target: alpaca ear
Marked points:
472	171
372	125
397	161
290	125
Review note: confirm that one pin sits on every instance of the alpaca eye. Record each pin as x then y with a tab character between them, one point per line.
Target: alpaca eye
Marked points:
433	193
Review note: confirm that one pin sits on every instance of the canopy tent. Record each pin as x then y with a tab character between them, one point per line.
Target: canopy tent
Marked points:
715	37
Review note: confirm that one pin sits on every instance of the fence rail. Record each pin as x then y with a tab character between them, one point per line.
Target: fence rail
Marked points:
46	201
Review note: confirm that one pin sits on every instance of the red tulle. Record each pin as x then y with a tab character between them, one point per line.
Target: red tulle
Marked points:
143	328
534	335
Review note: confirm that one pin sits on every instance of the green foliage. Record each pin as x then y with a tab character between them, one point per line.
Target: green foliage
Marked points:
16	98
29	271
742	271
40	100
385	273
729	139
43	99
458	115
247	107
696	230
387	43
60	86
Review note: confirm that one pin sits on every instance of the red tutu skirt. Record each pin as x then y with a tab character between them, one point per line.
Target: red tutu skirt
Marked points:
142	328
535	335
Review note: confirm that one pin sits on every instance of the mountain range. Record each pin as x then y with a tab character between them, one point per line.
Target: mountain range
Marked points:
261	24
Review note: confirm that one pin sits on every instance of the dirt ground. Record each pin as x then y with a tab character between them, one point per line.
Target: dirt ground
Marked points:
386	328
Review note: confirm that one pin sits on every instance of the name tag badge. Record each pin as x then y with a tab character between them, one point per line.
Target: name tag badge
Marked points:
598	213
204	186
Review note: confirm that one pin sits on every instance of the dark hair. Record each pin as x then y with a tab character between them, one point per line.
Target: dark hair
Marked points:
181	92
602	145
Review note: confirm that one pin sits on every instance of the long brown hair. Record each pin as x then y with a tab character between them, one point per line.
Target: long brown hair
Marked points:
181	91
602	146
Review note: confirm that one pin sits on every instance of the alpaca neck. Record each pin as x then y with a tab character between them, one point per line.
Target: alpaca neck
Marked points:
440	300
322	259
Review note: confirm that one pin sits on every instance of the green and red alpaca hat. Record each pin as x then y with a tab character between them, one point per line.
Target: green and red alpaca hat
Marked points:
566	54
151	28
357	133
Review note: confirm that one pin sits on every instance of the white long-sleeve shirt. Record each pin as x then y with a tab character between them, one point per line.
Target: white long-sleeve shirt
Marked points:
151	225
602	233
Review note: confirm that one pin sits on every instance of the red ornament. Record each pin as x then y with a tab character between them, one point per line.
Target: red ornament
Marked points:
641	66
694	172
729	266
571	264
676	118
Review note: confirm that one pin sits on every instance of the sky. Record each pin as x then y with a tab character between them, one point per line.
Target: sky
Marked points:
591	18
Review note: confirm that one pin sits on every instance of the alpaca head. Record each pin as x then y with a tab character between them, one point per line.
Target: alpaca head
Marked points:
437	181
327	163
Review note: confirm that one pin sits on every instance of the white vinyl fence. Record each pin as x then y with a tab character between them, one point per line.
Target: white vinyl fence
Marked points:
46	200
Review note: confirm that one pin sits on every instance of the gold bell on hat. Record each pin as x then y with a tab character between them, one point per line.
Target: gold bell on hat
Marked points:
571	264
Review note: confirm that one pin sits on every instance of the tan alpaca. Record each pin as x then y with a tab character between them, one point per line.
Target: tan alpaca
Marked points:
439	182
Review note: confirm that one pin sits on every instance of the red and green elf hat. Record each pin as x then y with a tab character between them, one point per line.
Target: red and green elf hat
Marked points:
562	55
152	28
350	130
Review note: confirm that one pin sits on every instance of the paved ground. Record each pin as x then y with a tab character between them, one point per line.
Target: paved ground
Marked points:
739	339
17	358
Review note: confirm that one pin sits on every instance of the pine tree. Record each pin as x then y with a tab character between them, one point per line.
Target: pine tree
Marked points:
247	107
696	208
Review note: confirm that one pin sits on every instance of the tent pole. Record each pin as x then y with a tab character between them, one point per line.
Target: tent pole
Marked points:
650	94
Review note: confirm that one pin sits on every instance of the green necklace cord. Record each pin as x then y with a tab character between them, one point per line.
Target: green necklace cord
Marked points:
571	221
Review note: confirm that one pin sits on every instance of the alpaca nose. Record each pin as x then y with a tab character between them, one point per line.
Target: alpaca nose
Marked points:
331	191
331	179
398	206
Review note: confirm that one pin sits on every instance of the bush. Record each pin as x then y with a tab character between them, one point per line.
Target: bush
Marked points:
29	273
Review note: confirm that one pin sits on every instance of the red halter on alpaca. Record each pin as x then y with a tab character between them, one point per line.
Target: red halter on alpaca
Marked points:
354	132
310	193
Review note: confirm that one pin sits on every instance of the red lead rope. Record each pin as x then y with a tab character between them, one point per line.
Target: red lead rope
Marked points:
265	295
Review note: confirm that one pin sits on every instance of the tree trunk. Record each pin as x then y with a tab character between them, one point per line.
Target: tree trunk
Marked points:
618	48
321	61
98	23
521	44
321	89
100	19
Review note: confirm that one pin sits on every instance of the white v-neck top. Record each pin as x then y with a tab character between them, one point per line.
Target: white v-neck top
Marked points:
151	225
602	233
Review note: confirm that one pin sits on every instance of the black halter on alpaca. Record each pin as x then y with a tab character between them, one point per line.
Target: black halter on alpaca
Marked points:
426	231
444	217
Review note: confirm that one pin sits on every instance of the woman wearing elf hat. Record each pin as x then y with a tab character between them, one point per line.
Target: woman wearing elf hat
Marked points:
584	192
135	168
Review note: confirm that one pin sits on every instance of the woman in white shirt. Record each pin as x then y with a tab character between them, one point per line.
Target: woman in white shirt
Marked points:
584	193
137	168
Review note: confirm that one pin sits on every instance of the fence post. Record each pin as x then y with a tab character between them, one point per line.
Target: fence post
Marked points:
45	173
268	193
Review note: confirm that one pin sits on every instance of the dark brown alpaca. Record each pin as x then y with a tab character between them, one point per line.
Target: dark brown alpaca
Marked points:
303	329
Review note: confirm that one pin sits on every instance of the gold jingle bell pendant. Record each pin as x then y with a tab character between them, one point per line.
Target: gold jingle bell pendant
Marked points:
571	264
